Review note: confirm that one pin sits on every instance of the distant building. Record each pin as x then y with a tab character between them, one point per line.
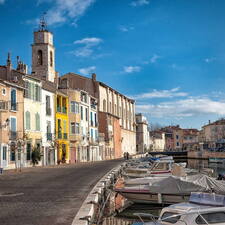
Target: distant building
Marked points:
158	139
142	134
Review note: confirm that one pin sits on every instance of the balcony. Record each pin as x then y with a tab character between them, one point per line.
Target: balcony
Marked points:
64	109
59	135
65	136
13	135
49	136
14	106
48	111
58	108
3	105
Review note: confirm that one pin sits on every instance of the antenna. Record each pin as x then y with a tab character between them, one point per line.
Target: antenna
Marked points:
43	23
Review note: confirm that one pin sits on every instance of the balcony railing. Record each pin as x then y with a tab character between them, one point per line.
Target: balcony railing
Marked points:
14	106
64	109
59	135
49	136
48	111
65	136
3	105
58	109
13	135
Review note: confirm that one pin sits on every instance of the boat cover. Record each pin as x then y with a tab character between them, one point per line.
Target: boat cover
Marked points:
186	185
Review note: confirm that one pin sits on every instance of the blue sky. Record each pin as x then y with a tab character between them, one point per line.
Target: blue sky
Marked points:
167	54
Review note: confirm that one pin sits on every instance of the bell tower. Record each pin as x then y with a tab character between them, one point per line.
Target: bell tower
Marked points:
43	53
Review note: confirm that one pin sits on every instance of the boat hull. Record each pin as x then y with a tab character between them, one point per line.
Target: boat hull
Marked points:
147	197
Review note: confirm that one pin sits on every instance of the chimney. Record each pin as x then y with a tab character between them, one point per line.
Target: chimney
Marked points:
9	67
93	76
209	121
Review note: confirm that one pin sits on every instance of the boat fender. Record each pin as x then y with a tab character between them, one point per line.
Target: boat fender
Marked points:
159	198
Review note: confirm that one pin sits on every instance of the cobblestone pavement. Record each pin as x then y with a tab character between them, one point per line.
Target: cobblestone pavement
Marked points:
48	196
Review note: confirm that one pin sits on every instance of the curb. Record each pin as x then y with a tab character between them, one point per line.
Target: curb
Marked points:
87	209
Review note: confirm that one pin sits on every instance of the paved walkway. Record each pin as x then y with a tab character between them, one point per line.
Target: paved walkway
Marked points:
48	196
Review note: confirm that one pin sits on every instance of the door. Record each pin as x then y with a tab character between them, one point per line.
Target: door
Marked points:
4	157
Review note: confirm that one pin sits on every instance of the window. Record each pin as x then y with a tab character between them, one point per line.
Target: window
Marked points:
4	153
39	58
74	107
51	59
92	123
177	136
37	121
104	105
72	128
13	128
28	151
211	218
77	128
4	91
27	115
92	133
48	105
95	119
173	218
83	97
81	113
13	99
49	133
178	144
86	111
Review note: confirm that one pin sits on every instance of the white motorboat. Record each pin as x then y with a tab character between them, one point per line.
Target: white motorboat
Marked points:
161	167
202	209
171	189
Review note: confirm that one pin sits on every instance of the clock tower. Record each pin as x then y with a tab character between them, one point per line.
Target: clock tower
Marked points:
43	53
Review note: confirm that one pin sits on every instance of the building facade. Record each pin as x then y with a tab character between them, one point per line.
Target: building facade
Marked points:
142	134
11	118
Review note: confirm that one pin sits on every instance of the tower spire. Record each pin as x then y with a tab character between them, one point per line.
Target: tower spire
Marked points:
43	23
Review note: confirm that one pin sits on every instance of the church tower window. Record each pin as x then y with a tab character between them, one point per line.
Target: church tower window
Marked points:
39	58
51	59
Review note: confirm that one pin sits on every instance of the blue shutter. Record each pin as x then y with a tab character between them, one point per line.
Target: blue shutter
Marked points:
13	124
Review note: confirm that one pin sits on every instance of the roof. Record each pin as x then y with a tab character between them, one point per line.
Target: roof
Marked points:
217	122
88	86
49	86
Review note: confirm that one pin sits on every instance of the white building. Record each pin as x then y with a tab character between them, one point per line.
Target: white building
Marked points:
142	134
48	124
95	153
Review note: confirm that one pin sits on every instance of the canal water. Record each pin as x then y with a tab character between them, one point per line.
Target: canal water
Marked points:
127	217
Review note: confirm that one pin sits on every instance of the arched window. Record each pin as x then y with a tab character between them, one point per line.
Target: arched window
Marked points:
27	115
104	105
39	57
37	121
51	59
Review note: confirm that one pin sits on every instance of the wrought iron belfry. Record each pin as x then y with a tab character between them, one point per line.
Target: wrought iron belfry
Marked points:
43	23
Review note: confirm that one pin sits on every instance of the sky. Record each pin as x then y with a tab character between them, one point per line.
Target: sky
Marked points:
169	55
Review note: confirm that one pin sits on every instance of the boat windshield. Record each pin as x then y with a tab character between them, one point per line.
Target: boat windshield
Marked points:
170	217
211	218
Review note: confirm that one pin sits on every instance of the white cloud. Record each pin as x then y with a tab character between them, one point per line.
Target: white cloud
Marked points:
125	28
87	46
162	94
63	10
2	1
131	69
184	108
139	2
209	60
89	41
154	58
87	70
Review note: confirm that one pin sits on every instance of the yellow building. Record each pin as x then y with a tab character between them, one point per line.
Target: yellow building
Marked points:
62	127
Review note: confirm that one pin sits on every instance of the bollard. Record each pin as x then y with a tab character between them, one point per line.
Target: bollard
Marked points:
1	170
